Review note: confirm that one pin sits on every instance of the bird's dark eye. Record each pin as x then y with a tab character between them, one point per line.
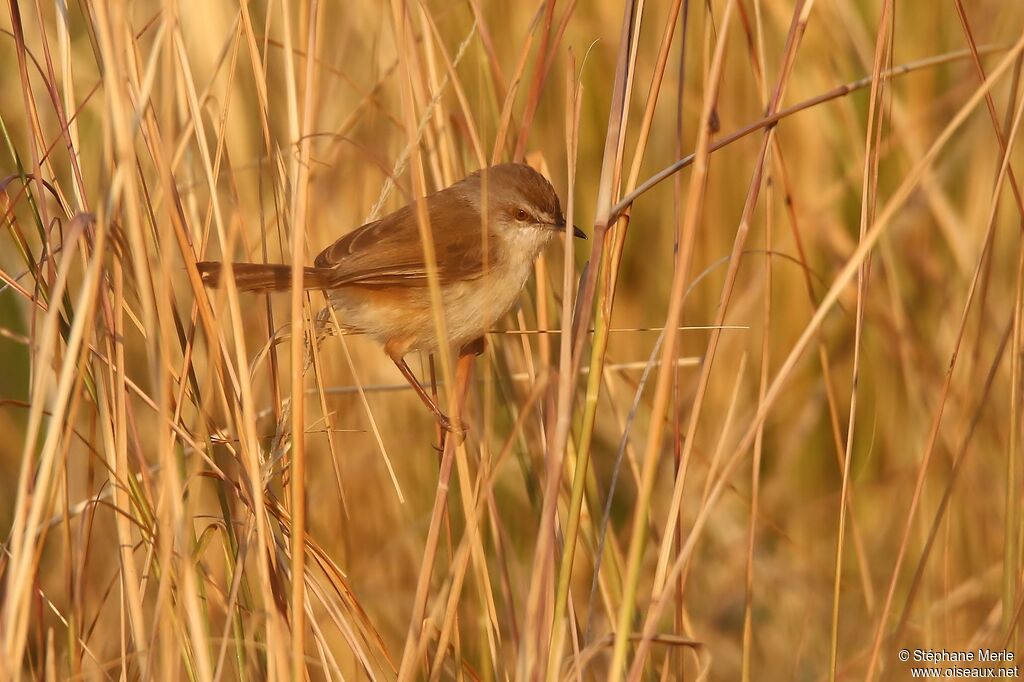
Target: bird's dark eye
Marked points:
522	215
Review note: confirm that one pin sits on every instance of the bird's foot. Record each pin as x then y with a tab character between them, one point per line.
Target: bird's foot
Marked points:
448	426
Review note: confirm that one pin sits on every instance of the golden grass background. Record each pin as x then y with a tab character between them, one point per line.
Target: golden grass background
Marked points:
147	449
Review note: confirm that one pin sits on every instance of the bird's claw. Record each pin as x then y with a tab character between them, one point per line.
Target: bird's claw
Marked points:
457	429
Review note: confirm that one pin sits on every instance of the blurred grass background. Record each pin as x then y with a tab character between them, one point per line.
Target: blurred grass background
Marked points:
200	131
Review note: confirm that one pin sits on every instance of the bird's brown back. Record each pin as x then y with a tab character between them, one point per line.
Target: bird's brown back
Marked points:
389	252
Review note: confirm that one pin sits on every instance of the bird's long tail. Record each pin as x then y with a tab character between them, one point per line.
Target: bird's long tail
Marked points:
263	277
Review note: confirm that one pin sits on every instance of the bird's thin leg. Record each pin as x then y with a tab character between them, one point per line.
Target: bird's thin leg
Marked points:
475	347
442	418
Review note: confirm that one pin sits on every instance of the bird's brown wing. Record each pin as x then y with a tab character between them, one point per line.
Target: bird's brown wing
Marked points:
388	252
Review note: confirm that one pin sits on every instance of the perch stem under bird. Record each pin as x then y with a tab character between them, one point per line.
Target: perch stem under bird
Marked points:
487	230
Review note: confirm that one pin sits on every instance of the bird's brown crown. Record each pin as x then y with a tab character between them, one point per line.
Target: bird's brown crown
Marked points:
515	186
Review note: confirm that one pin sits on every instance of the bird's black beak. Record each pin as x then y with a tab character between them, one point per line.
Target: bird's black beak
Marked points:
577	232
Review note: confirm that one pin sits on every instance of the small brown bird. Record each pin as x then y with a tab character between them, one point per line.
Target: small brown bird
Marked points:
376	276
